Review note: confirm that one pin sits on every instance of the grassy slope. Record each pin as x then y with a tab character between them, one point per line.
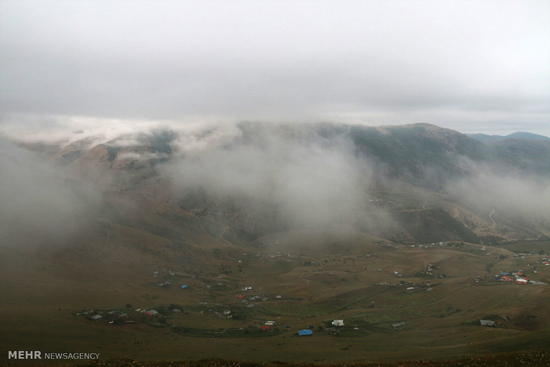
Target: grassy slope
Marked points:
111	265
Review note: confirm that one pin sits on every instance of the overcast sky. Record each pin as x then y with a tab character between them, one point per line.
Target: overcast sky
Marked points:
472	66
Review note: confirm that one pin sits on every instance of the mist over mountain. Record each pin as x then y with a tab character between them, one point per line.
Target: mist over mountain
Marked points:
37	201
376	226
274	183
416	183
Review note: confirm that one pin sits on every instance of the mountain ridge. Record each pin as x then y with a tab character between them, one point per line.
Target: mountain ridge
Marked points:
250	178
484	138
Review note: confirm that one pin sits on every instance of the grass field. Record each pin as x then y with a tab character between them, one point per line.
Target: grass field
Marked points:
319	278
538	247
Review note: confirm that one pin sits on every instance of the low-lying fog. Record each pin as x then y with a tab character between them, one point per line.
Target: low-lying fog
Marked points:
307	178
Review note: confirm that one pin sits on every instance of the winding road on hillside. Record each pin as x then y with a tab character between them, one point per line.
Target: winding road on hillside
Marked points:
302	277
224	229
307	272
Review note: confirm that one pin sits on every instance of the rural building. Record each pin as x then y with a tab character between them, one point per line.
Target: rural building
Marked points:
398	325
305	332
183	286
96	317
338	323
264	327
487	323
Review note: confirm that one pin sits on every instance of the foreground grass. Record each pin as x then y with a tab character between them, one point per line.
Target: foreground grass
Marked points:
538	359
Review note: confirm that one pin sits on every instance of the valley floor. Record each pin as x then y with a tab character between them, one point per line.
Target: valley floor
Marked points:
397	302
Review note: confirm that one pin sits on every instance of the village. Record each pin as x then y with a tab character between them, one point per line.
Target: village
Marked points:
253	308
519	276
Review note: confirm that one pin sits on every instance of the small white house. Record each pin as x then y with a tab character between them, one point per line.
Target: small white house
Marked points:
338	323
489	323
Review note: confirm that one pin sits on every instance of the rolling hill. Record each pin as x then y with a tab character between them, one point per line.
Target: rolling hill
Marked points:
298	225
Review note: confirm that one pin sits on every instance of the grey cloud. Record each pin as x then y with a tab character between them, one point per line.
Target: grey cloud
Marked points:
511	199
37	201
306	183
389	61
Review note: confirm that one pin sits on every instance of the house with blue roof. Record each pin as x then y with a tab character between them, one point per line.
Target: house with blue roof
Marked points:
305	332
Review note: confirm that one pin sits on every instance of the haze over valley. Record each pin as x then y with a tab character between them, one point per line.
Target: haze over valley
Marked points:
275	183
